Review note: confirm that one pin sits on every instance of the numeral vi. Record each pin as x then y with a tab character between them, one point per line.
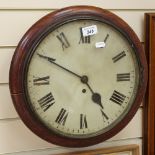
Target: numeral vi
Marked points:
83	121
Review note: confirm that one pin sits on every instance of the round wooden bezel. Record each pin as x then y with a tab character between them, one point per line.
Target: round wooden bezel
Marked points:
25	50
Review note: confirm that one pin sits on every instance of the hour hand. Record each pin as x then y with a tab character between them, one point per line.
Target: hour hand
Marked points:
96	97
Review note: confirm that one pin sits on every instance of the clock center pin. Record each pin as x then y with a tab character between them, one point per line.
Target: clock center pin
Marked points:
84	79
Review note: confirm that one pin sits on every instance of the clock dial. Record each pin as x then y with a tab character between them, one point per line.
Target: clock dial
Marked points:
78	76
82	86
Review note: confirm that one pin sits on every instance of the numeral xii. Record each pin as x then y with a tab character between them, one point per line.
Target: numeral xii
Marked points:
84	40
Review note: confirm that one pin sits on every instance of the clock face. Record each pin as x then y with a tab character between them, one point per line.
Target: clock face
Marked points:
82	86
78	76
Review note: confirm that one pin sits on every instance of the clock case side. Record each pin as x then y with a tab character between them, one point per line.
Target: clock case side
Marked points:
149	106
25	50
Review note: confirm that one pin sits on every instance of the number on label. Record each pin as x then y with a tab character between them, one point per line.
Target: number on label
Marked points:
89	30
41	80
84	40
62	116
117	97
46	102
63	40
119	56
123	77
83	121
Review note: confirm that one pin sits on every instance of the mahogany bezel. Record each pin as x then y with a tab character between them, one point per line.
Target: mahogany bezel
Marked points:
26	48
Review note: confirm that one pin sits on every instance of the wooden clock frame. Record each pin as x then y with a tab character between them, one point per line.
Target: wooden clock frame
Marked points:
149	106
25	50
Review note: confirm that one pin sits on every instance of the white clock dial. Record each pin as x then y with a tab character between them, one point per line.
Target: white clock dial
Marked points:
81	86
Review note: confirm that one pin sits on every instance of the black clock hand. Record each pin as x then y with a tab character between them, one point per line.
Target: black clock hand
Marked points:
107	36
84	79
96	97
53	61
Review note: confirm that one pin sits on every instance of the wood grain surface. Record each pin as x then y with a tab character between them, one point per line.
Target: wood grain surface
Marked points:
149	107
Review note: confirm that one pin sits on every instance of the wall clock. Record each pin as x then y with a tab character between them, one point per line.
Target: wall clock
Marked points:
78	76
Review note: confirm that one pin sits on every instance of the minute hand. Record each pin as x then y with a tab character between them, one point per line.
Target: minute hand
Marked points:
84	79
51	60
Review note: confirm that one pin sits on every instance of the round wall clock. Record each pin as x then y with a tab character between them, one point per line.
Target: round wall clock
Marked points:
78	76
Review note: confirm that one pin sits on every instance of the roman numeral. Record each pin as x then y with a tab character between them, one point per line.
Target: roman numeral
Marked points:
104	115
62	116
107	36
83	121
119	56
46	102
123	77
63	40
41	80
84	40
117	97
